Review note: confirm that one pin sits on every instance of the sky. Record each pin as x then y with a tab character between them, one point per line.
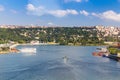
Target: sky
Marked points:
60	12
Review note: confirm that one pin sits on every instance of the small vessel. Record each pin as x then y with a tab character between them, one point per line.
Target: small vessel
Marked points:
65	59
102	49
97	53
28	50
101	52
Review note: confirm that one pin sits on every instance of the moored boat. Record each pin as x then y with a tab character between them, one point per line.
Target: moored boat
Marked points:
28	50
101	52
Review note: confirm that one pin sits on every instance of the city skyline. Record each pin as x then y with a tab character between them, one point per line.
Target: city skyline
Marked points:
60	12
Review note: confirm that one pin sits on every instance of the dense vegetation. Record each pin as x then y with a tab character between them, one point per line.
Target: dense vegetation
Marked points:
4	49
62	35
113	50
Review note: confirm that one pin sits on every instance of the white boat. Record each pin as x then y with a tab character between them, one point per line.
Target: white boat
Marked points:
28	50
102	49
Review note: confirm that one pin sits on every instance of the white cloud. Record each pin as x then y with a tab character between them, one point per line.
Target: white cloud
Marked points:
58	13
76	1
50	23
40	10
61	13
71	11
94	14
30	7
14	11
2	8
83	12
108	15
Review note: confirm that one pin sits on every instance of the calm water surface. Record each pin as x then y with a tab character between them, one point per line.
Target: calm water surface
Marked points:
48	64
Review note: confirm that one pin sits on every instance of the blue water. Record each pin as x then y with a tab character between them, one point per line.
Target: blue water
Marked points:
48	64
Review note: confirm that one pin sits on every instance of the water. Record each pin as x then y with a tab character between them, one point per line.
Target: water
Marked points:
48	64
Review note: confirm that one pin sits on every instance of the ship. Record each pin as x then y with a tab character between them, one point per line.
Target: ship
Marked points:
28	50
101	52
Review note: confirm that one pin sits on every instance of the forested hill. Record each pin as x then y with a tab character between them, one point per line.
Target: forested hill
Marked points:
62	35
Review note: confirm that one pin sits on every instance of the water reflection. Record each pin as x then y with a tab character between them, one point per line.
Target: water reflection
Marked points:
28	54
57	70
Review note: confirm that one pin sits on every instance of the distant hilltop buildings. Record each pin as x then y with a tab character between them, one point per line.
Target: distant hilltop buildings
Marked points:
33	26
26	26
109	31
16	26
106	30
105	33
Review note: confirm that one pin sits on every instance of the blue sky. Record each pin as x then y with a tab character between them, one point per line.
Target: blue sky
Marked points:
60	12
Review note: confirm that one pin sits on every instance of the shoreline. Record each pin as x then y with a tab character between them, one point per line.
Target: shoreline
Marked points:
13	46
37	44
4	52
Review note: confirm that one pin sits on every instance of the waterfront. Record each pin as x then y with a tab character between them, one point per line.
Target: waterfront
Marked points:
48	64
